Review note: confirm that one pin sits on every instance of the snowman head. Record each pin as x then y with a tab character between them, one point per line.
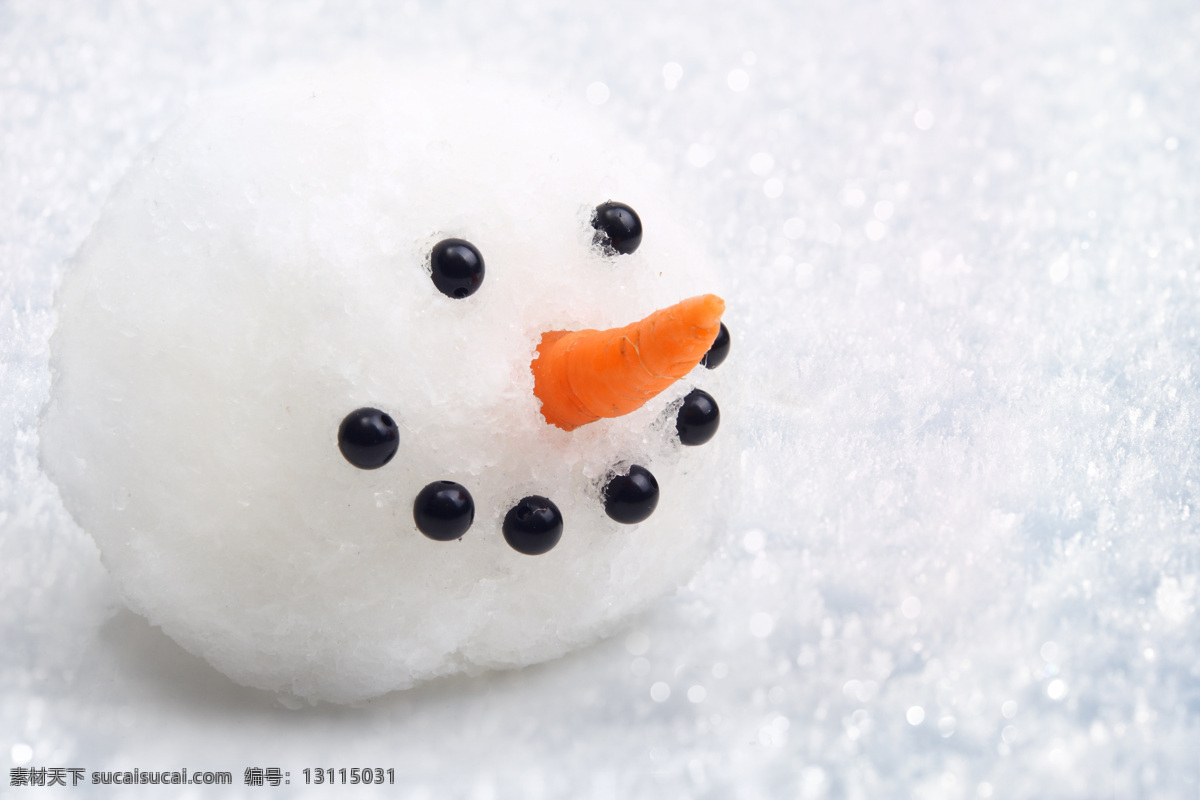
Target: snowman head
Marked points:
347	350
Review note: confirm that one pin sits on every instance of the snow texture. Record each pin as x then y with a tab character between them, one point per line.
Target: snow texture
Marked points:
960	241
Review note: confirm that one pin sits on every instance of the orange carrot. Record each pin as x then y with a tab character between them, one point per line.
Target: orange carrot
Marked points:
582	376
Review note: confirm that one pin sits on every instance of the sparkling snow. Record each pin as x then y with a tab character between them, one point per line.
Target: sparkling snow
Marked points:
963	248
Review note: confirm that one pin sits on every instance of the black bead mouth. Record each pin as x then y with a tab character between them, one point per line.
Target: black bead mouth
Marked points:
698	418
368	438
445	510
631	497
533	526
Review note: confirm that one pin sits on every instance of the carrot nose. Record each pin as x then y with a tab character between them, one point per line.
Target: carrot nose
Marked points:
583	376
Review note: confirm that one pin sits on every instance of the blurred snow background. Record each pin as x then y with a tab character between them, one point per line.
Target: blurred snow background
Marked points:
963	241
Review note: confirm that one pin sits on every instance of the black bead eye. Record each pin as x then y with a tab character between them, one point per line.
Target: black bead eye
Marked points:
631	498
719	351
618	228
698	418
368	438
444	510
456	268
533	526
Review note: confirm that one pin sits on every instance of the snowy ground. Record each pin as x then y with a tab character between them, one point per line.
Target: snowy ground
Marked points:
963	246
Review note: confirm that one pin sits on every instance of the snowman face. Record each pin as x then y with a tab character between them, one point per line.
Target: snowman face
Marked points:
580	377
277	266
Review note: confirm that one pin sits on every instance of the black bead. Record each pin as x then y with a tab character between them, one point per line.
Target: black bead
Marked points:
456	266
533	526
633	497
368	438
618	228
444	510
698	418
719	351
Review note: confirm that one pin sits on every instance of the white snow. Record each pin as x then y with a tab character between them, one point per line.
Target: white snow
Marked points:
969	317
261	273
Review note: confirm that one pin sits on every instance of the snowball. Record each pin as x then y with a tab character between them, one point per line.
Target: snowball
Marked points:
261	273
